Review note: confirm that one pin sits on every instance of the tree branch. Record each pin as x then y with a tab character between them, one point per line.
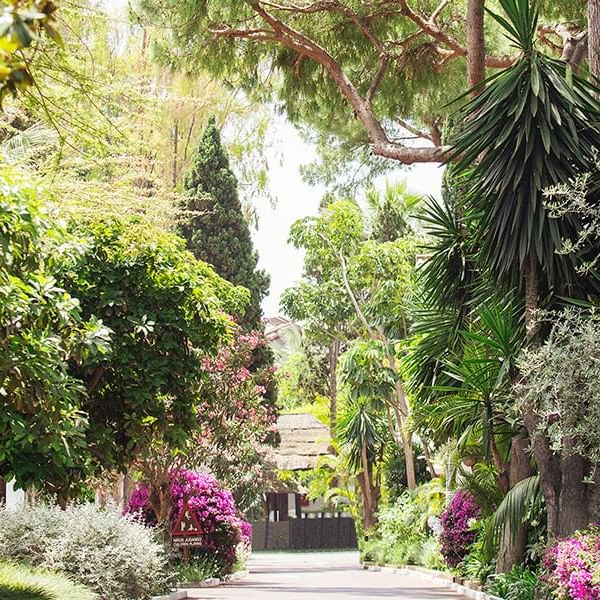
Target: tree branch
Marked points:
430	27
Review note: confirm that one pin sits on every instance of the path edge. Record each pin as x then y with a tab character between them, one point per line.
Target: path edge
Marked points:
181	593
435	576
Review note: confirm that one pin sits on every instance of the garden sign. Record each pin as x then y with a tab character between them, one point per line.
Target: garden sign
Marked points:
187	532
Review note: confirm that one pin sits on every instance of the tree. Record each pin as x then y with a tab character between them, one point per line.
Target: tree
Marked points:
362	437
559	385
166	311
372	284
232	429
533	127
217	231
42	425
394	64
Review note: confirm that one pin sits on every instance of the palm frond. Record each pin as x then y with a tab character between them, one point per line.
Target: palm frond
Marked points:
511	512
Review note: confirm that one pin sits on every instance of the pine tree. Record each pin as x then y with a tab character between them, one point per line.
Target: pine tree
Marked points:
218	233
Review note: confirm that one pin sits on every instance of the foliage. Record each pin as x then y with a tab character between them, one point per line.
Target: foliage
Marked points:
573	566
533	126
200	568
166	310
577	198
394	470
115	556
560	383
217	231
514	509
235	419
457	527
361	428
25	23
18	582
214	508
44	329
478	564
403	535
517	584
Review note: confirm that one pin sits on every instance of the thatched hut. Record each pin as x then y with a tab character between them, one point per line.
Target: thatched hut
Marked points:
291	521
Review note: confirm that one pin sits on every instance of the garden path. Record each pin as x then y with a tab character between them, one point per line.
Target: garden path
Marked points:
322	576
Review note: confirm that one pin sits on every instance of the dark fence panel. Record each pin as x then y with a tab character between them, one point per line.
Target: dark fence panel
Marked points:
305	534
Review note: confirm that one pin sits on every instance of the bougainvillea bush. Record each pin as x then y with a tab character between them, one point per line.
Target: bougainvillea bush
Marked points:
573	566
457	522
224	530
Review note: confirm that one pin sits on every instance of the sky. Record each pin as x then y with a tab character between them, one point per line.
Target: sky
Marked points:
296	199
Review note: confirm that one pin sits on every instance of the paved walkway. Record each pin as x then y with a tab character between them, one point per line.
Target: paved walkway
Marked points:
322	576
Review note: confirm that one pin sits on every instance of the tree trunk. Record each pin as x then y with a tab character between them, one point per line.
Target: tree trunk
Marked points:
334	353
409	459
159	498
594	38
370	492
519	468
400	409
175	166
475	43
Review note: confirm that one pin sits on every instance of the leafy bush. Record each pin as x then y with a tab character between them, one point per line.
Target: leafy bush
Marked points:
199	568
21	583
402	535
214	508
117	557
573	566
457	527
518	584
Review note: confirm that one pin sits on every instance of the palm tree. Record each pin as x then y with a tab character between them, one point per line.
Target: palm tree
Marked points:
361	433
535	125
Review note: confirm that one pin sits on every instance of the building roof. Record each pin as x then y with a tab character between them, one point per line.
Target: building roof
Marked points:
304	439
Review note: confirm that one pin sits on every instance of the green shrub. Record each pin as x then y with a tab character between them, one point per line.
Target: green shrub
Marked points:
402	536
518	584
18	582
117	557
199	568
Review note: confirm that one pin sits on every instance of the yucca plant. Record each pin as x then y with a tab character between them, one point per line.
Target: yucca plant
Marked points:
534	125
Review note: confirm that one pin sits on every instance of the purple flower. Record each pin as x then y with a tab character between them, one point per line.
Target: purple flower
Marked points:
214	507
457	534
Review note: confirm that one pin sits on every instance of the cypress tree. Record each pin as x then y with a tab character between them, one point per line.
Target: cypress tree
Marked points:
218	232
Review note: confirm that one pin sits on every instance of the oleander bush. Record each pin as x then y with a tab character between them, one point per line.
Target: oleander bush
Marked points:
117	557
18	582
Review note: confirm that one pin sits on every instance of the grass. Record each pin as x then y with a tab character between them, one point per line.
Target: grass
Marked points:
18	582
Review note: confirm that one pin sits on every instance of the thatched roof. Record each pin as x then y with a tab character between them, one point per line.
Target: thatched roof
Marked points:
303	440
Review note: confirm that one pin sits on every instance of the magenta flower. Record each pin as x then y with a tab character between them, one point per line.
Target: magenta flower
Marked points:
573	566
457	534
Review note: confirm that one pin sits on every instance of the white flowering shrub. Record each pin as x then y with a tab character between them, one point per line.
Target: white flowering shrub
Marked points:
117	557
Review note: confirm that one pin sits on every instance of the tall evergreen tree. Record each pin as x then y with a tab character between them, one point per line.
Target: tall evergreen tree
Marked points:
217	231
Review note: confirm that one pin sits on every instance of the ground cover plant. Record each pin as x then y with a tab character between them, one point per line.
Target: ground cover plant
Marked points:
18	582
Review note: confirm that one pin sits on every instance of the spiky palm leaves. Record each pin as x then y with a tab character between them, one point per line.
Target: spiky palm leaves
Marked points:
536	124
